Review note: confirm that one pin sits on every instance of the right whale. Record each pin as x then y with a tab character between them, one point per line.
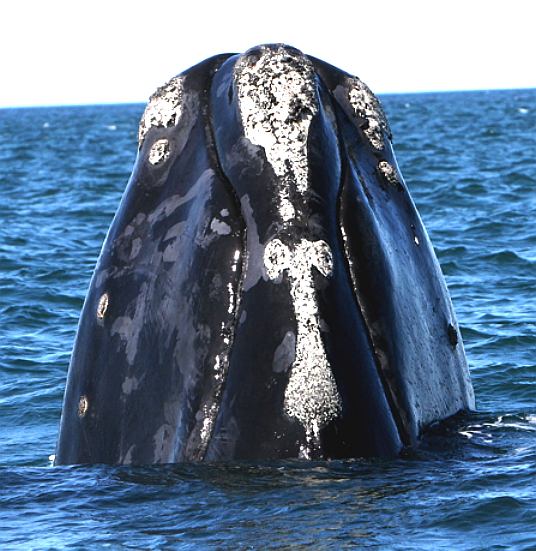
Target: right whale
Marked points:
267	289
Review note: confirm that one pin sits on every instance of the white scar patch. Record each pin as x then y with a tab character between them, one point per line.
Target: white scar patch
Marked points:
164	108
311	395
277	99
368	107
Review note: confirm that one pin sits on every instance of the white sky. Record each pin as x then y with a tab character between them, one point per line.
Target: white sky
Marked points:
72	52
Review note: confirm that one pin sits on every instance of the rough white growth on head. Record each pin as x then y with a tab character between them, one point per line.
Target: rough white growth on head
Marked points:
277	99
102	306
163	109
209	414
159	152
389	173
311	394
83	406
367	106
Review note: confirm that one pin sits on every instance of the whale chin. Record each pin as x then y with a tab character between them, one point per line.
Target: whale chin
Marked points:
267	289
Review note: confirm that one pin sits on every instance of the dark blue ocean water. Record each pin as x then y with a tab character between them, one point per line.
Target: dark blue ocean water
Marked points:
470	162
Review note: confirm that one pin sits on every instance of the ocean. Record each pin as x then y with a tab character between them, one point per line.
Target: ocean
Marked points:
469	159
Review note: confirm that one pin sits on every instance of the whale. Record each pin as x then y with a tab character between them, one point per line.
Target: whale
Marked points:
267	289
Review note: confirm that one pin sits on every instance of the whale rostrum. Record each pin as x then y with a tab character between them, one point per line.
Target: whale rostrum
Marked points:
267	289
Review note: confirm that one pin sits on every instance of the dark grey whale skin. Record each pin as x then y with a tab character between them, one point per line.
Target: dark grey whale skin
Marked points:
400	286
171	290
184	298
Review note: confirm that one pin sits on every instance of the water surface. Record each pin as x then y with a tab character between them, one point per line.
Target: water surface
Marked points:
470	162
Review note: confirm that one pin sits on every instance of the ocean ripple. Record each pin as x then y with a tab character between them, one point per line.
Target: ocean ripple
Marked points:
468	159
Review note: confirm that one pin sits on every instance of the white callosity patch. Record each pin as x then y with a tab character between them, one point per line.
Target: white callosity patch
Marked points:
389	173
159	152
277	99
102	306
277	95
368	107
311	394
83	406
209	415
164	108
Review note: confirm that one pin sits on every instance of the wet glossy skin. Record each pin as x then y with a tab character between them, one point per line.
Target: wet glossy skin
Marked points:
267	289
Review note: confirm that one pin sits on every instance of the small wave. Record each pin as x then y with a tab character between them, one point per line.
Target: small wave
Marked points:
506	257
491	132
520	178
488	432
486	510
455	250
517	422
450	267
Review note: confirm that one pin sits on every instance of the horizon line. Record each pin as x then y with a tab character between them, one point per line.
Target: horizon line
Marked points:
144	102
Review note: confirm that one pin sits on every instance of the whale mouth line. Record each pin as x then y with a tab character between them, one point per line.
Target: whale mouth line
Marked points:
389	392
222	361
